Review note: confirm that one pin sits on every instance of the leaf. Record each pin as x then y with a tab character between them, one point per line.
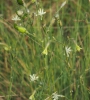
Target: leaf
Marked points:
20	2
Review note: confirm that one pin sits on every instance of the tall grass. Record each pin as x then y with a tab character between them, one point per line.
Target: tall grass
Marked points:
21	55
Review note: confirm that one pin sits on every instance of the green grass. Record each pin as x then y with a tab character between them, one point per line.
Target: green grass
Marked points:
69	76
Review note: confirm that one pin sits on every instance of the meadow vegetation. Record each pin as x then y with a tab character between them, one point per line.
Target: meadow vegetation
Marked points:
44	50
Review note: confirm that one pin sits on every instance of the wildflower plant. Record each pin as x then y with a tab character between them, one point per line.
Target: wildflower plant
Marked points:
38	46
55	96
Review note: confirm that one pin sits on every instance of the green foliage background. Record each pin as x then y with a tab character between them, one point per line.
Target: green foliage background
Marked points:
69	76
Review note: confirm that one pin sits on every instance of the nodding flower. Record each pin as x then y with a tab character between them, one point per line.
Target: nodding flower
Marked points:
45	51
78	48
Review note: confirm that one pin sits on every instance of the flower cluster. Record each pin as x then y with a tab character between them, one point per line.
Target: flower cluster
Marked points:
68	50
33	77
16	18
40	13
56	96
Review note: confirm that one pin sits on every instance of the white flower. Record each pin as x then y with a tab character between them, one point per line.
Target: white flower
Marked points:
41	12
19	12
55	96
68	50
15	18
33	77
